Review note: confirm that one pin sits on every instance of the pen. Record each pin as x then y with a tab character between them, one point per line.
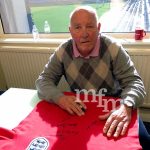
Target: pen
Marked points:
82	108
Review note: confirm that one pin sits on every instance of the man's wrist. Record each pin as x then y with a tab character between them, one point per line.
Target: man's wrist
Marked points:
128	104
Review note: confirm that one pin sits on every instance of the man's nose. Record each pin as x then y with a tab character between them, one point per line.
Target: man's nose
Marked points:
84	32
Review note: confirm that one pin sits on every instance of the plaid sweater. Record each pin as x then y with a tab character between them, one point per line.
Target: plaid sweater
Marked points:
112	70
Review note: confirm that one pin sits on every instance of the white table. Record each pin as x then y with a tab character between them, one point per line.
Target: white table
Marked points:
15	105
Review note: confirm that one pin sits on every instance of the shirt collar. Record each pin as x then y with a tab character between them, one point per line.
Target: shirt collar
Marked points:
94	53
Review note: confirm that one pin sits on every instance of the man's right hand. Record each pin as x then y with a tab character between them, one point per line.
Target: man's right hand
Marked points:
70	104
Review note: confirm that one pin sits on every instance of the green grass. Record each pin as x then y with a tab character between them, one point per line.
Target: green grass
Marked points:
58	16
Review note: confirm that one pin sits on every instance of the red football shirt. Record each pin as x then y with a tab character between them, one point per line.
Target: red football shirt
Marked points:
48	127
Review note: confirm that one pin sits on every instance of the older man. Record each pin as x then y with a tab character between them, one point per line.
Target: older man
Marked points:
90	60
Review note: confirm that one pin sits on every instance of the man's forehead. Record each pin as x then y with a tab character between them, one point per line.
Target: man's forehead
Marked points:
77	20
81	13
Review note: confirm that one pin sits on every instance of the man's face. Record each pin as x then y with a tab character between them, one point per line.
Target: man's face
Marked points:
84	30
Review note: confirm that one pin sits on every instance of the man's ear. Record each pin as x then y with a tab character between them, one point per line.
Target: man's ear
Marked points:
69	28
99	26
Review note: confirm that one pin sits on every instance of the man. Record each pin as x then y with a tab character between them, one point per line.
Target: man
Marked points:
92	61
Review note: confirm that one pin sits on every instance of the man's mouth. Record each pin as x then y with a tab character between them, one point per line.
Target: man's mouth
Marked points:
85	42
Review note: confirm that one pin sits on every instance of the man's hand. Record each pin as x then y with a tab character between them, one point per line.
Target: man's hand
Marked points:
117	122
70	104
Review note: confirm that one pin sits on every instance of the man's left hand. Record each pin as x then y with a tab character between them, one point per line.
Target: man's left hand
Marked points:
117	121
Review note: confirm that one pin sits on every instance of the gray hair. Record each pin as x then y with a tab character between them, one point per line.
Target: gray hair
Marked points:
87	8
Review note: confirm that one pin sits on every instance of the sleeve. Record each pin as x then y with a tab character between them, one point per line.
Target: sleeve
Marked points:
131	83
48	80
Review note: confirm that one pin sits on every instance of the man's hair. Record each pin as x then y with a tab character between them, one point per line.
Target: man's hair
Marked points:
87	8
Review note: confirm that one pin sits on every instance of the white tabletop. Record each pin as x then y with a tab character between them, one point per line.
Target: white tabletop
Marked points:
15	105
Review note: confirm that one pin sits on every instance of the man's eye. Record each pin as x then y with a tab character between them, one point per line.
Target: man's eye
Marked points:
90	26
78	27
